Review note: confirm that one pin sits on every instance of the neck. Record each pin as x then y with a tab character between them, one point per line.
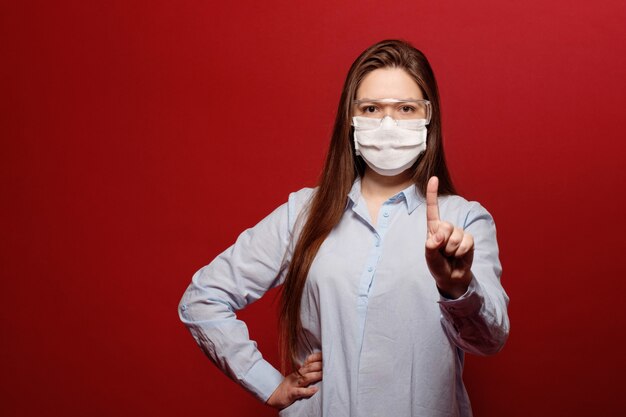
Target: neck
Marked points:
382	187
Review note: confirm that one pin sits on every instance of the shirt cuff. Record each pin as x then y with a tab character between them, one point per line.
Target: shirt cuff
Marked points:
262	380
467	304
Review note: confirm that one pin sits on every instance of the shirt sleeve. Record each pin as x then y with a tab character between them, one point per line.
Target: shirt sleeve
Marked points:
255	263
478	322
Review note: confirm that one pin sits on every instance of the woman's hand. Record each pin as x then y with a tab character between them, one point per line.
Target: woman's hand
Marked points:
449	250
296	384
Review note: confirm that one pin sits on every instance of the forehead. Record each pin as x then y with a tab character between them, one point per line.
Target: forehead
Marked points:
388	83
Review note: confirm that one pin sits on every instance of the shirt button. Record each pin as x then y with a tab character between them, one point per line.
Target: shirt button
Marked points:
370	269
183	307
377	243
386	214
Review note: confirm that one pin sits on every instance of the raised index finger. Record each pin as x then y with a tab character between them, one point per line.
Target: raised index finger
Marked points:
432	206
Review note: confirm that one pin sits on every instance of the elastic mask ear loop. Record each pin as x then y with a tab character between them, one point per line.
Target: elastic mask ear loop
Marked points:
356	143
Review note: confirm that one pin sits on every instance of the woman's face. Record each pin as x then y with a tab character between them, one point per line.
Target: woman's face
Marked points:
384	83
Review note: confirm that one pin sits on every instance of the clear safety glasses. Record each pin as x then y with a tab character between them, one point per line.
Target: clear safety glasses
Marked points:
397	109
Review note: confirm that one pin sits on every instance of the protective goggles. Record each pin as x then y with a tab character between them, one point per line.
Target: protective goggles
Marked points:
396	108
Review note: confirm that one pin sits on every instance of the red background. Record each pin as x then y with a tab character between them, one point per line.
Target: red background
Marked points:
139	138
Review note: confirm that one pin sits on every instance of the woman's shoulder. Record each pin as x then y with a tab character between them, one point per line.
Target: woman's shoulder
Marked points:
459	210
457	202
301	196
298	203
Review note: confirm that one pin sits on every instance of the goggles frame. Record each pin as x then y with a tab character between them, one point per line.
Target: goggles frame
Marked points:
427	106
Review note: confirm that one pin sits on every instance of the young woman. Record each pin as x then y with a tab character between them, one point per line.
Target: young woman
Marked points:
388	276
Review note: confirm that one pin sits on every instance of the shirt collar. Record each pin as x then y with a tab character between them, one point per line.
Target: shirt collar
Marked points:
411	195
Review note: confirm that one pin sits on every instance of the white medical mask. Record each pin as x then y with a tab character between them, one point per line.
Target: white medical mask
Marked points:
389	146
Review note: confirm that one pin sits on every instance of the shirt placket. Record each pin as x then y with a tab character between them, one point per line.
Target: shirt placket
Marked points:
368	275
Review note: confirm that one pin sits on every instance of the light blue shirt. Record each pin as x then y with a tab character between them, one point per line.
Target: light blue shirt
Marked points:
391	344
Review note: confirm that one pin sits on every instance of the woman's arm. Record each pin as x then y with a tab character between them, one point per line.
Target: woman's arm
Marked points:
477	321
240	275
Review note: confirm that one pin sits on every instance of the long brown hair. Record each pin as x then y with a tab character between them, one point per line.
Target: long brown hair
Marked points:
343	166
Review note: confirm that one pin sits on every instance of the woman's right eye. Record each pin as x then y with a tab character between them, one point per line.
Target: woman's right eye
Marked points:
369	109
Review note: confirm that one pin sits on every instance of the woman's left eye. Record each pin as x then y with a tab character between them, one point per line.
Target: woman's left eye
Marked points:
407	109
